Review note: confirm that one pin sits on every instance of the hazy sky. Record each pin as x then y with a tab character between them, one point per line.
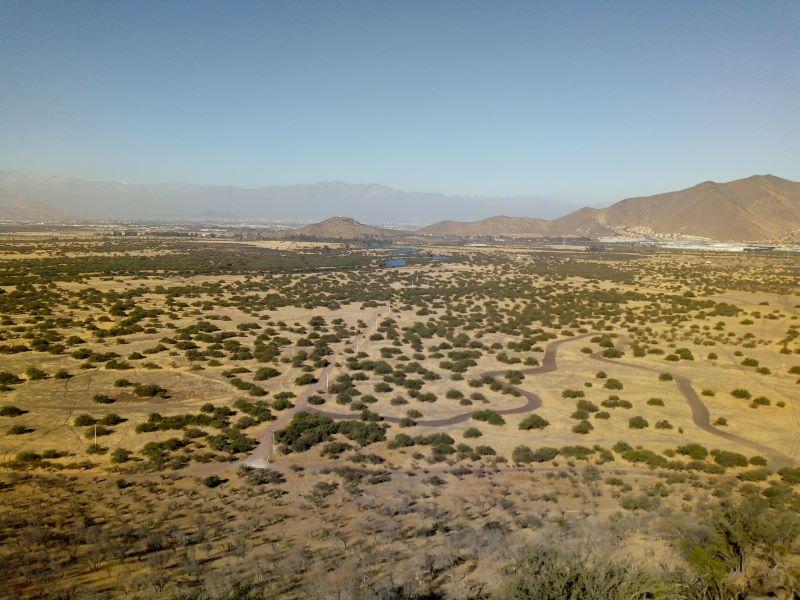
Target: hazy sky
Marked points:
579	101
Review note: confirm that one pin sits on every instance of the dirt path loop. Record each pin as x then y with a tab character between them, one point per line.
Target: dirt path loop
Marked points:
260	457
532	400
264	452
700	414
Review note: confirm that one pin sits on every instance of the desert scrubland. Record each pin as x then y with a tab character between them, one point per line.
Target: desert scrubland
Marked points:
197	419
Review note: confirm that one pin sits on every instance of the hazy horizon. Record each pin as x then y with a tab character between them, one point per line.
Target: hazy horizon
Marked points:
579	104
531	196
550	347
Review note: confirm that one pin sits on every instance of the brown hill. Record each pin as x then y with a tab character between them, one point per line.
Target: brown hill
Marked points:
13	208
756	208
341	228
493	226
761	207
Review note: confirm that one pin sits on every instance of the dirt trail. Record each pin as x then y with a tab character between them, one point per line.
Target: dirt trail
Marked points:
261	456
700	414
532	400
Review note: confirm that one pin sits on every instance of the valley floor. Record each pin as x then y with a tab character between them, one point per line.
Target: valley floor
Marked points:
186	418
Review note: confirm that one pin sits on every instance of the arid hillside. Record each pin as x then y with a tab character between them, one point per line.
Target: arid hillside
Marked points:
341	228
761	207
13	208
500	225
757	208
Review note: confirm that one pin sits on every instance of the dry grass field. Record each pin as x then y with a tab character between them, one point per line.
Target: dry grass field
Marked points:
198	419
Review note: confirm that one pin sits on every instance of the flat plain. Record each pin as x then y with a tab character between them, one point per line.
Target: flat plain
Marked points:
192	419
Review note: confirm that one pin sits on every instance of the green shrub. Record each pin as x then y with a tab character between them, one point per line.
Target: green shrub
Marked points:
305	379
583	427
693	451
533	421
19	430
586	406
265	373
638	423
8	410
725	458
612	353
213	481
522	455
489	416
790	475
84	421
120	455
35	374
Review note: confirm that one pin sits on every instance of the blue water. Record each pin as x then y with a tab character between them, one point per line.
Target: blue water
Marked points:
399	261
395	262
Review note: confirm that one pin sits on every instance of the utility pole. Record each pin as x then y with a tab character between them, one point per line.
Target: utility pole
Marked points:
269	453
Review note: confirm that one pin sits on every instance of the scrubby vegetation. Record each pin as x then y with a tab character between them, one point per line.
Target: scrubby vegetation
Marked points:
189	419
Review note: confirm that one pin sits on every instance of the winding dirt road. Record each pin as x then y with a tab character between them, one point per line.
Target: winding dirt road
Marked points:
264	452
700	413
532	400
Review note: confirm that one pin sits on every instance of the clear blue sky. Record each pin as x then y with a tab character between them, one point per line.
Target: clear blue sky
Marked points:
580	101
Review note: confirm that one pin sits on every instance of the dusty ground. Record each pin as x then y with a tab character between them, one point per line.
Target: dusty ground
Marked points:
200	331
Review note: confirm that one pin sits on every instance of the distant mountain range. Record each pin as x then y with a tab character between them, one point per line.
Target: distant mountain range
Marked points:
371	203
13	208
758	208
